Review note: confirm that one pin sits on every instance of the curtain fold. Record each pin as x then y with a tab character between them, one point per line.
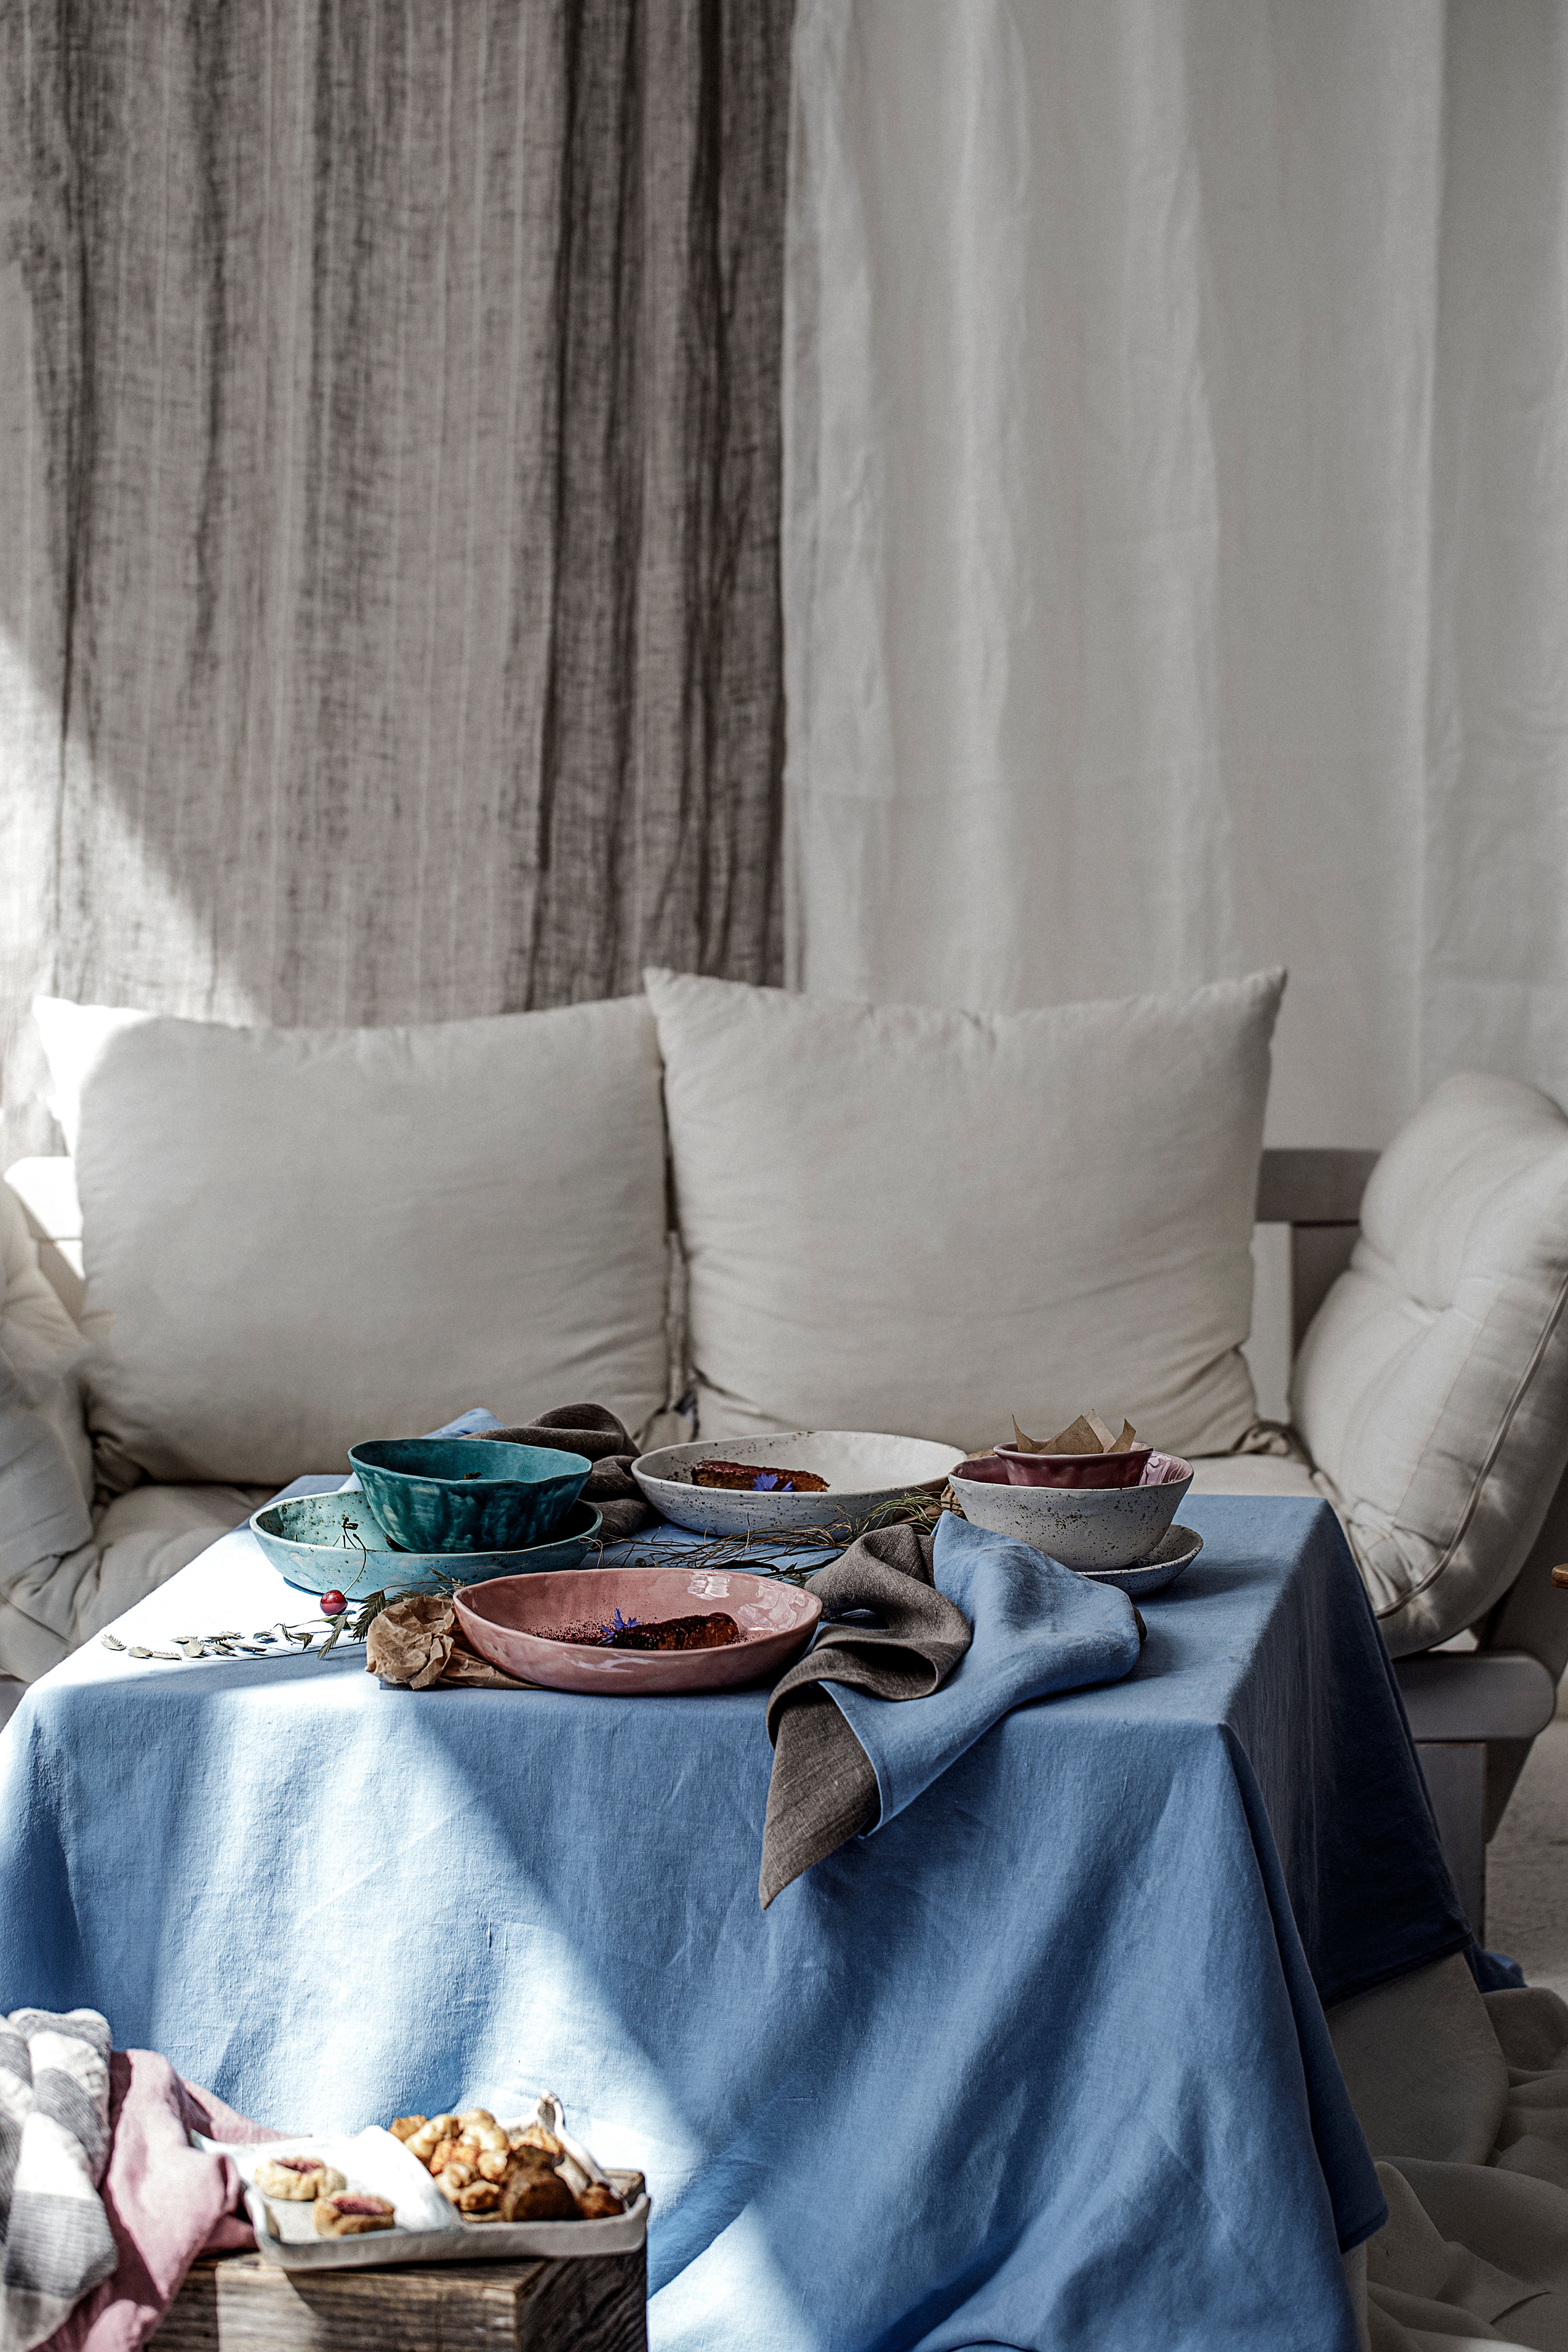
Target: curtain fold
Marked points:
389	454
1176	516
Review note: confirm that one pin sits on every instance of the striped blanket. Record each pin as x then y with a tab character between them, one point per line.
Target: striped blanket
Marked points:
54	2239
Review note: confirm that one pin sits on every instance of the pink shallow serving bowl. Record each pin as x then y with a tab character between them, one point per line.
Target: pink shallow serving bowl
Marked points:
505	1620
1076	1469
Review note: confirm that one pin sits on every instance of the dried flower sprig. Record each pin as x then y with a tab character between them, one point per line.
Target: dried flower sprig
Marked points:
806	1550
275	1640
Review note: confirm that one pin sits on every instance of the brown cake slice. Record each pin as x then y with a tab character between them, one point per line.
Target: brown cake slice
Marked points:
712	1631
757	1479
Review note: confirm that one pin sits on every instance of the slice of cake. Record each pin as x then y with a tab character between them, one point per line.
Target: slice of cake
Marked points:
757	1479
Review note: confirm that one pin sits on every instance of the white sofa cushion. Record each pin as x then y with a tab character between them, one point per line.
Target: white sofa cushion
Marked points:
1432	1387
1259	1474
297	1238
137	1541
44	1480
926	1222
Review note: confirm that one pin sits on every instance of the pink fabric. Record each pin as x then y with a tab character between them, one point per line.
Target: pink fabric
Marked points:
166	2201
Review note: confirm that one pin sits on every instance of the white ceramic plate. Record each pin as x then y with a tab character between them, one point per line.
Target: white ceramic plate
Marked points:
863	1470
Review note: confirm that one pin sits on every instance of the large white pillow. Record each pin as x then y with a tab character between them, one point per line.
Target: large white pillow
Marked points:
297	1238
1432	1387
927	1222
44	1501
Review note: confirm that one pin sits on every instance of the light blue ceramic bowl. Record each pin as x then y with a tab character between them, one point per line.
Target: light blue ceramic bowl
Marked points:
307	1541
467	1494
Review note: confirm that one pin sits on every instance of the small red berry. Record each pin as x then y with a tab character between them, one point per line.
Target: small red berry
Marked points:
332	1604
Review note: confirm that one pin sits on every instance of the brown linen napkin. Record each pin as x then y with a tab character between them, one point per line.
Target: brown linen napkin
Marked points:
415	1642
823	1791
593	1430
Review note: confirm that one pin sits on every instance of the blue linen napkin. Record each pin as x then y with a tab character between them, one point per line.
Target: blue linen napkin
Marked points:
1037	1628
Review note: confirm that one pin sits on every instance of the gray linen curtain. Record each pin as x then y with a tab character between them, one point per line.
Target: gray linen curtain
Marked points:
389	461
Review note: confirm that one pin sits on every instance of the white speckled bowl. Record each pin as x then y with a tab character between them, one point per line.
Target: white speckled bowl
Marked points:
1083	1526
863	1469
1171	1558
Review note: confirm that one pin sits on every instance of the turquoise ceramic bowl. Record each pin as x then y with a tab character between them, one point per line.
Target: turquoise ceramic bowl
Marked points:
467	1494
306	1541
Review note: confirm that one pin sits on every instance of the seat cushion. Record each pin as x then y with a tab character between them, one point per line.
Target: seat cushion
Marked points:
134	1544
148	1536
1257	1474
1432	1387
927	1222
46	1468
297	1238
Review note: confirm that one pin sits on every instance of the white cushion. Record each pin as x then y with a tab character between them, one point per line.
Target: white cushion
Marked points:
136	1542
45	1479
297	1238
1432	1387
1259	1474
46	1189
927	1222
148	1536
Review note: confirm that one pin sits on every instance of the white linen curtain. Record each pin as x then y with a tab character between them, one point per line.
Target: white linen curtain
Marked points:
1176	520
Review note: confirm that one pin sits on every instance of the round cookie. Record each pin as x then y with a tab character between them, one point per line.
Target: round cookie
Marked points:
296	2180
349	2213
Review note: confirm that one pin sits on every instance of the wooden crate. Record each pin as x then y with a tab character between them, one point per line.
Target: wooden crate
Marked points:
240	2303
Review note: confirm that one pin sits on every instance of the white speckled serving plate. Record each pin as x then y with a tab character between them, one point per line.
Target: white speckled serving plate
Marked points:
863	1470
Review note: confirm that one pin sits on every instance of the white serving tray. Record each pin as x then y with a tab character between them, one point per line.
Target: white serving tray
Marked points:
428	2229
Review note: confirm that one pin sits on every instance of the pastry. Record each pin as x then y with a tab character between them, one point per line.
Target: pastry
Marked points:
295	2180
598	2202
429	2136
533	2191
350	2212
492	2175
484	2144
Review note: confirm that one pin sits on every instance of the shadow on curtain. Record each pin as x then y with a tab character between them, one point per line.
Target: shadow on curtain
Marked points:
389	418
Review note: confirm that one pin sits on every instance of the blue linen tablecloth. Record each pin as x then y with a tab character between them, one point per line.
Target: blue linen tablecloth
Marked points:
1040	2063
1036	1630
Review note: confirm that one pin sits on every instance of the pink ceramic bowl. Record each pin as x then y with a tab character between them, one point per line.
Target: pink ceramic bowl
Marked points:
503	1620
1083	1526
1076	1469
